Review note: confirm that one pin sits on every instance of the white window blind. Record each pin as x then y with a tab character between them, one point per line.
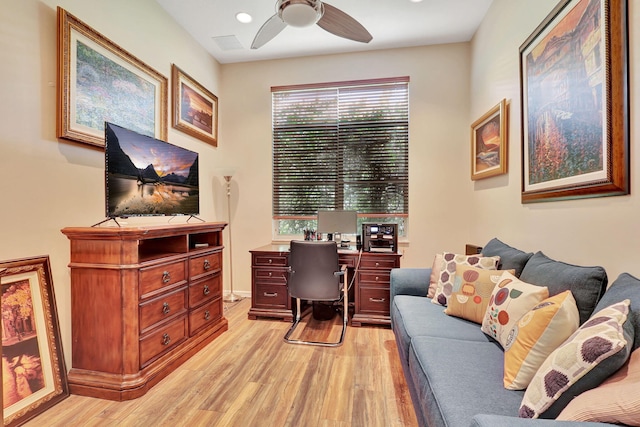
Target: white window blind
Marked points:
342	146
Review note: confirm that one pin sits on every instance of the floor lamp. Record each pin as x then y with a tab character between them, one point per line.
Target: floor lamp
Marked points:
231	297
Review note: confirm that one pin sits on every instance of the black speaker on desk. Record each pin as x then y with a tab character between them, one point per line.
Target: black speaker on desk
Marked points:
380	238
358	242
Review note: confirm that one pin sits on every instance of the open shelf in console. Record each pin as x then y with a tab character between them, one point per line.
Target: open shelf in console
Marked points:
160	247
204	240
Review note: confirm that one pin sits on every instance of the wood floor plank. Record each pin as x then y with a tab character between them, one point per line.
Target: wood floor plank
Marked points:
249	377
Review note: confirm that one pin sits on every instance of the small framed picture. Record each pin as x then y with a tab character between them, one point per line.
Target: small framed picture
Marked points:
34	373
489	143
195	109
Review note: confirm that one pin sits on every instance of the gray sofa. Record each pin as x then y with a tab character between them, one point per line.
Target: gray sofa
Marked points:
454	371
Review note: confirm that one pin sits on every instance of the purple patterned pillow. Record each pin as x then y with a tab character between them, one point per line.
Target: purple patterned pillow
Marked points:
448	272
594	352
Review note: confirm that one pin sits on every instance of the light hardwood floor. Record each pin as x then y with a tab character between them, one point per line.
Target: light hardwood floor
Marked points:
250	377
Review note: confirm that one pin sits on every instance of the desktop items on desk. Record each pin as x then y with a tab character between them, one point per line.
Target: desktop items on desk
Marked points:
380	238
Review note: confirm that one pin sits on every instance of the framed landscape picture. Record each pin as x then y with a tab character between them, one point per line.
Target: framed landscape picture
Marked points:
575	107
195	109
489	143
34	374
99	81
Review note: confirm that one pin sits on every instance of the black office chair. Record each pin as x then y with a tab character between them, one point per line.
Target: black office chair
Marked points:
315	275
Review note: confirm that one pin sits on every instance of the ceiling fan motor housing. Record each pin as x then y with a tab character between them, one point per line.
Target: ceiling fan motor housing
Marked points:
299	13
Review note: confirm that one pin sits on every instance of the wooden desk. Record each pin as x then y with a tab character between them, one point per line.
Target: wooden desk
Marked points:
269	296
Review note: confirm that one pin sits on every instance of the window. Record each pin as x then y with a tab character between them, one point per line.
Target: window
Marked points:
340	146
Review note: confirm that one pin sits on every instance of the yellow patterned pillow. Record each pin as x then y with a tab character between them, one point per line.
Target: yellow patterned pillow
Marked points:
450	261
472	288
536	335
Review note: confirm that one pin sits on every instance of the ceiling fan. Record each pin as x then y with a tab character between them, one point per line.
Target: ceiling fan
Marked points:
304	13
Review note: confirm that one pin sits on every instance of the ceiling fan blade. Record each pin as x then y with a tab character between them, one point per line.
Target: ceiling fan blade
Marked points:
269	30
339	23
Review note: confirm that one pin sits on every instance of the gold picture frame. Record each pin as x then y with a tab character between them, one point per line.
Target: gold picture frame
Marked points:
195	109
34	373
489	143
99	81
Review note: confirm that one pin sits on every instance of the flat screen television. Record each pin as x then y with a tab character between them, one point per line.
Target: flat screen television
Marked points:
147	176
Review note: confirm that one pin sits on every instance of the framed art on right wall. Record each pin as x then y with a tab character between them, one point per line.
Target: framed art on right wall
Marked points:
575	107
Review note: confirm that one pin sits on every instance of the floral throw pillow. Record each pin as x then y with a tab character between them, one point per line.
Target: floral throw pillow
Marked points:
450	261
511	299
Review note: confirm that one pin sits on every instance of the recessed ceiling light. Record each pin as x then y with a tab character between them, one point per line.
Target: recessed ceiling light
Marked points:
415	1
244	17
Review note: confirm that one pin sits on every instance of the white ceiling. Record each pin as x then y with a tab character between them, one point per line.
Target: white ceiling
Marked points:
392	23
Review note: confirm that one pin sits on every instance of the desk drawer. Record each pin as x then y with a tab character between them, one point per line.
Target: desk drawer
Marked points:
271	275
378	262
162	340
267	259
162	308
204	264
204	290
270	295
208	314
374	301
166	275
374	278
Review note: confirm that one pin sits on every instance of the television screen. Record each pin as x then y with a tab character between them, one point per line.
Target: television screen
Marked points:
147	176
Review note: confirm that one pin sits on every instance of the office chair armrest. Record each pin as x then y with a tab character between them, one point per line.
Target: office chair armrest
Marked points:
342	272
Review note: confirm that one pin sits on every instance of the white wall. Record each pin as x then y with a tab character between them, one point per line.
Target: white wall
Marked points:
46	184
602	231
438	142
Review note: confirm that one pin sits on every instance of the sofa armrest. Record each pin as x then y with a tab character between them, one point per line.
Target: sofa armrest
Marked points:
486	420
410	281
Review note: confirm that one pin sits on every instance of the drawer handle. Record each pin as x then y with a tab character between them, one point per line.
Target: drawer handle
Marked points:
270	274
270	261
206	290
271	295
207	315
377	278
377	264
166	339
165	308
206	264
377	299
166	277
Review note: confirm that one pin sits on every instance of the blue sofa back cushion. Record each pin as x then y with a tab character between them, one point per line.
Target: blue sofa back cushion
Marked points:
624	287
510	257
586	283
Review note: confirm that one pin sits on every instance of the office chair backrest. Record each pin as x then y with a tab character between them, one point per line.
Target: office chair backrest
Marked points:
312	267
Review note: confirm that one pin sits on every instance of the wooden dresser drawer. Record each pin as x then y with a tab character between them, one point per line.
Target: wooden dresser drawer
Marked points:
204	290
270	295
272	275
205	315
162	308
204	264
165	275
162	340
374	300
267	259
377	262
374	278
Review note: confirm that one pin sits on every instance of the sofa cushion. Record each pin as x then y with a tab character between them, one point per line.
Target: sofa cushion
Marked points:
594	352
472	288
488	420
457	379
625	287
450	261
510	257
616	400
536	335
586	283
413	316
510	300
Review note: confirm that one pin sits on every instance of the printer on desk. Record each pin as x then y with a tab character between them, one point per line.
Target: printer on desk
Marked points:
380	238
